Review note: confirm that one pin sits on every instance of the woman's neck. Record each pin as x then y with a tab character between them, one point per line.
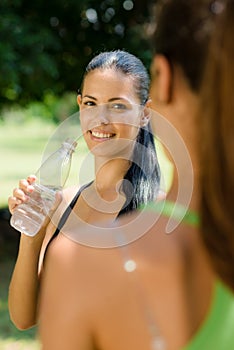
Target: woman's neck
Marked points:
109	174
185	190
178	131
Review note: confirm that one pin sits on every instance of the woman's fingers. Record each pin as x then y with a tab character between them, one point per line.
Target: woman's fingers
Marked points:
31	179
17	198
26	186
19	194
13	202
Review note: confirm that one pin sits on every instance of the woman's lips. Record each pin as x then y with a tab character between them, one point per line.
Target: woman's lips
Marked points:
101	135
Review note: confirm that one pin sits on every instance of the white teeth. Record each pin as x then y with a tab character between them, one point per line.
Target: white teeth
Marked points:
101	135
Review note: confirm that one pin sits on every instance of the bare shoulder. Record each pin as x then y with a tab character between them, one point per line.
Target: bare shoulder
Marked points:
70	255
143	238
149	232
83	270
64	306
64	261
138	238
90	269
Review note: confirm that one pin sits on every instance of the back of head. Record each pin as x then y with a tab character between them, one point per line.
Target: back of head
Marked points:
183	30
217	147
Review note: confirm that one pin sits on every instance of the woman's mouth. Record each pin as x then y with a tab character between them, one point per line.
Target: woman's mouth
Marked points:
101	135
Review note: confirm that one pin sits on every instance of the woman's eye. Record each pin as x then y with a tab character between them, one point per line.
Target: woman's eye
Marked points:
89	103
118	106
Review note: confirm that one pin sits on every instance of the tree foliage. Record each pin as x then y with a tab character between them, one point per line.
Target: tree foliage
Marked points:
45	45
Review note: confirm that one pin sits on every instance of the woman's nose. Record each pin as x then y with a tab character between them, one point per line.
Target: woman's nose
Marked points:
103	114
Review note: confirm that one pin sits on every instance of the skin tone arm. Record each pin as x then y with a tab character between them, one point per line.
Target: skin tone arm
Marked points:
24	285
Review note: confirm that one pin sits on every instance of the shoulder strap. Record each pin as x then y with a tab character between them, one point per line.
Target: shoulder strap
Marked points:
66	214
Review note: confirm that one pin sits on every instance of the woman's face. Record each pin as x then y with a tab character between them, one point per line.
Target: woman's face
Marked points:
110	112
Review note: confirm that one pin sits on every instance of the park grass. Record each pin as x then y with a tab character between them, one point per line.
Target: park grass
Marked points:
21	151
21	146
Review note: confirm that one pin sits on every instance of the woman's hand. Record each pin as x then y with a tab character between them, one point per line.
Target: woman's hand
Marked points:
20	194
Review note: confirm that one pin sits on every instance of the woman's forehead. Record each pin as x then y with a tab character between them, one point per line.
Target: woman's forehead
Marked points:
108	73
108	81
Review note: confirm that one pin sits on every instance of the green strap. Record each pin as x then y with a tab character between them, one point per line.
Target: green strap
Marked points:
175	210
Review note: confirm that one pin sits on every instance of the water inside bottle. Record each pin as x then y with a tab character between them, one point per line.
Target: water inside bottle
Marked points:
28	217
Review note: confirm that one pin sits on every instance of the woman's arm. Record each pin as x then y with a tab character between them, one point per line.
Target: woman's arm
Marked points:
24	285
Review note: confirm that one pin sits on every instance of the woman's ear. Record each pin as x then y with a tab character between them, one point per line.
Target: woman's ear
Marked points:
79	98
161	77
145	117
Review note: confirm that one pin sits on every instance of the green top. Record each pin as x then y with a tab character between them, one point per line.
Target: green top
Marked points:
175	210
217	330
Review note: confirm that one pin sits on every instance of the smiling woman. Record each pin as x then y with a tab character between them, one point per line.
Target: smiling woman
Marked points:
114	114
103	116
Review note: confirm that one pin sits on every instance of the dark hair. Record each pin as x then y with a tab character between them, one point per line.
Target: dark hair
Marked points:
183	30
144	172
217	145
126	63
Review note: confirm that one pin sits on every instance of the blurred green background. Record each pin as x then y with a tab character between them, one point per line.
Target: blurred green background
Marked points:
45	45
44	48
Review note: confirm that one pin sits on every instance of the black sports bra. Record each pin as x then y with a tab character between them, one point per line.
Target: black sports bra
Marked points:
66	214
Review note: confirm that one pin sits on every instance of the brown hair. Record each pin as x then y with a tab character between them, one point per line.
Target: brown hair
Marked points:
182	34
190	33
217	148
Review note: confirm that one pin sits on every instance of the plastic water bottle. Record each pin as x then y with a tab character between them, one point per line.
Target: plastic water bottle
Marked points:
51	177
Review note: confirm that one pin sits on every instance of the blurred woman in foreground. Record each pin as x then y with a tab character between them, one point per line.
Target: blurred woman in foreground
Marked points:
161	291
217	149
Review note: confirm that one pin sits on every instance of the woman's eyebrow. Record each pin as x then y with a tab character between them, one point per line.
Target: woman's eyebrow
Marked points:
116	98
88	96
110	100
